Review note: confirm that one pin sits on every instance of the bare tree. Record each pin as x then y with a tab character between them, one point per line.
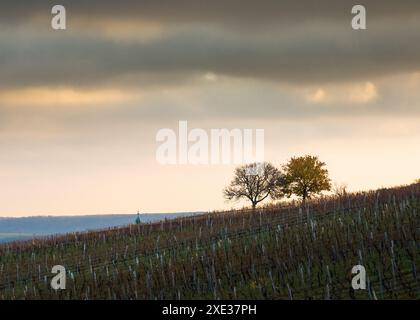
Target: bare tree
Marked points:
255	182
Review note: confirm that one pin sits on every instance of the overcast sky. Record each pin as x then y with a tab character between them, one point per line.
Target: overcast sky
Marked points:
80	108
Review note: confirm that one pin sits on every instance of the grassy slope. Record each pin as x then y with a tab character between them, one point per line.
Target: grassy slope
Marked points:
276	252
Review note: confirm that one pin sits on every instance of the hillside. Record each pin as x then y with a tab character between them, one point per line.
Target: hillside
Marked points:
277	252
36	226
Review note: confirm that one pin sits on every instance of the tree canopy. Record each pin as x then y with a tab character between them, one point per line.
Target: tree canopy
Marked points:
255	182
305	177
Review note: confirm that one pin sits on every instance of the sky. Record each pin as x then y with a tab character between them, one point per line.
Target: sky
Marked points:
80	108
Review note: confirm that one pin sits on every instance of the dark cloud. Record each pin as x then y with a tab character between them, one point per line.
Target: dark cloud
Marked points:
287	41
320	54
205	11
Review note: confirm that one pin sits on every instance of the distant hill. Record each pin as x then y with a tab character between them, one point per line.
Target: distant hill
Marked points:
24	228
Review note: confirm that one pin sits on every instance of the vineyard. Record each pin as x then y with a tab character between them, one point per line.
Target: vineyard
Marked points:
276	252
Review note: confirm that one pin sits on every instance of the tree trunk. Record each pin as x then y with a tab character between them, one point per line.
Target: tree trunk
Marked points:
304	196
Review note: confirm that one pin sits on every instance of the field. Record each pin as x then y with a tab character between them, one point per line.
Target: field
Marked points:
276	252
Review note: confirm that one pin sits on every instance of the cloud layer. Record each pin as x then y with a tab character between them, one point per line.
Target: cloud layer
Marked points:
80	108
282	41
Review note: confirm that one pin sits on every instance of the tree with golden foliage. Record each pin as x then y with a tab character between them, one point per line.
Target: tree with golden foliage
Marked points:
305	177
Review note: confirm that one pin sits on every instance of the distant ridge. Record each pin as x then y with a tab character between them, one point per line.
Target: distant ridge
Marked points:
27	227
